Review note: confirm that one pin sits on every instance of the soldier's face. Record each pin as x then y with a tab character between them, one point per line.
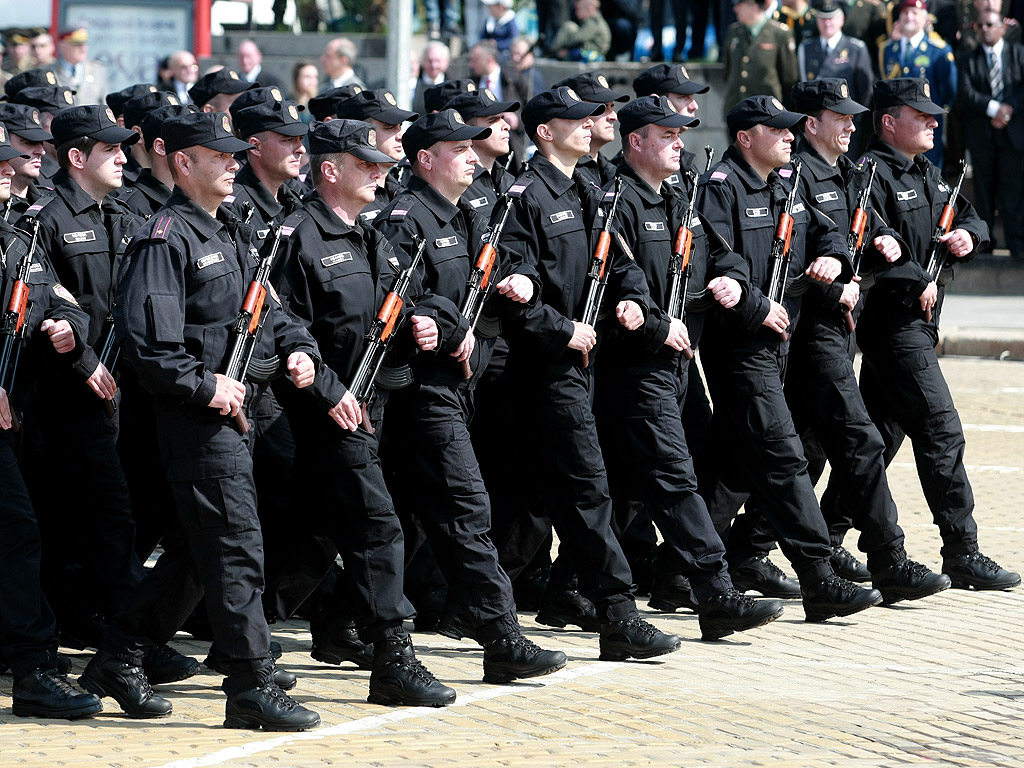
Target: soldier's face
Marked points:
913	131
571	136
389	139
912	20
771	146
452	164
829	27
663	148
278	154
211	171
103	166
27	168
6	174
685	105
359	178
833	131
603	131
496	144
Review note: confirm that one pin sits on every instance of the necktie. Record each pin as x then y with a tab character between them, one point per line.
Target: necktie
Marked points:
903	51
995	76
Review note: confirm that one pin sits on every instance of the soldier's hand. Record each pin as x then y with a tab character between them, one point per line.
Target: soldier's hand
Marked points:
778	318
301	369
102	383
424	332
5	411
584	337
726	291
629	314
228	397
465	349
347	413
889	247
60	333
959	242
517	287
851	295
929	296
678	338
824	269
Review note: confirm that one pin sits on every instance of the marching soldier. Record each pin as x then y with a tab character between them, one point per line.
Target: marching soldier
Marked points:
26	135
593	87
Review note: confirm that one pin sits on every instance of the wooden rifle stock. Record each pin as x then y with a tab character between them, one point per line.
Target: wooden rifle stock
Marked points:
781	244
13	326
855	237
597	274
935	261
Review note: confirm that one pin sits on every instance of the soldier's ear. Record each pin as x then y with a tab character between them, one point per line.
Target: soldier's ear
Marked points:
544	132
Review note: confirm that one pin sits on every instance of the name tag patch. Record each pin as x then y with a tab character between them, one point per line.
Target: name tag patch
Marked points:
554	218
479	202
825	197
36	267
336	258
446	242
262	233
910	194
205	261
79	237
756	213
654	226
370	215
798	208
673	179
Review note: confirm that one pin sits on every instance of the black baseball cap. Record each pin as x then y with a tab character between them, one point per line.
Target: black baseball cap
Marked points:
480	103
31	78
323	105
152	124
50	98
221	81
831	93
667	78
93	120
202	129
380	105
136	109
558	103
761	110
265	109
648	110
24	121
446	125
827	9
118	99
914	92
353	136
7	152
592	86
436	97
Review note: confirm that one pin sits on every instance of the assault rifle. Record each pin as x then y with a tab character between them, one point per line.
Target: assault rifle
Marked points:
382	331
935	247
855	237
781	253
597	275
12	329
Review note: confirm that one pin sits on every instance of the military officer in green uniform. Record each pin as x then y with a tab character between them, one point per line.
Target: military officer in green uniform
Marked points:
760	56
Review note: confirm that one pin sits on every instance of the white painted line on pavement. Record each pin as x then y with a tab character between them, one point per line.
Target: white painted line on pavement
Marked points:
394	716
993	428
997	468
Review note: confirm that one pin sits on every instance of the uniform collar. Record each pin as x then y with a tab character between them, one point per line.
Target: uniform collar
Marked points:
258	191
545	170
643	189
743	170
891	156
329	222
74	197
437	203
817	165
151	186
202	222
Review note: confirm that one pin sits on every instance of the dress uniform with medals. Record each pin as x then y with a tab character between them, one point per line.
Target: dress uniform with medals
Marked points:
758	60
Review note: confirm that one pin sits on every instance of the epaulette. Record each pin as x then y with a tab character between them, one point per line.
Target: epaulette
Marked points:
936	39
856	42
717	176
403	204
521	183
37	206
161	227
291	222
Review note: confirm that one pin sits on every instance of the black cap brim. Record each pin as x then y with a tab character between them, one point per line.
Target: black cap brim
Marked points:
498	108
580	111
689	88
32	134
467	132
678	121
785	119
605	95
290	129
928	107
227	144
847	107
371	155
9	153
115	134
395	116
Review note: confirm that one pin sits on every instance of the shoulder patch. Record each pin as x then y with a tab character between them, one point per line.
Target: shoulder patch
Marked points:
63	293
521	183
161	228
291	222
625	246
718	176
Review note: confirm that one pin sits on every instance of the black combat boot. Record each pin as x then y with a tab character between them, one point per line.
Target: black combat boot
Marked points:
976	570
634	638
670	593
163	664
907	580
335	643
567	606
107	675
398	677
762	575
732	611
834	596
514	657
849	567
269	708
47	693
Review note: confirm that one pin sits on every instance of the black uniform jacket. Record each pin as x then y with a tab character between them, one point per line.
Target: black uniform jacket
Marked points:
184	281
146	196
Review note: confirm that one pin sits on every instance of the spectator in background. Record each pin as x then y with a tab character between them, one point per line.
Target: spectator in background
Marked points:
74	70
500	26
991	92
913	52
442	18
305	85
866	20
760	56
798	16
504	83
433	71
696	11
43	49
250	66
586	39
337	62
521	57
550	17
18	56
624	18
183	71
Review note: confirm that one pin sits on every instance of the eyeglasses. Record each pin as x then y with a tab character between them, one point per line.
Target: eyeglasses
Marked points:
989	25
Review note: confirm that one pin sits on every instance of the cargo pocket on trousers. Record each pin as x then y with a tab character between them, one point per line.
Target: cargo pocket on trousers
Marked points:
210	494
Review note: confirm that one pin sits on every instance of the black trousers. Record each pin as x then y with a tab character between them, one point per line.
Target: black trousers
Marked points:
999	183
569	471
209	468
906	395
29	630
428	438
639	410
759	452
342	495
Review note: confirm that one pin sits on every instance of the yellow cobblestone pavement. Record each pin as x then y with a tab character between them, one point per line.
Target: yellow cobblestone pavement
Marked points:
939	682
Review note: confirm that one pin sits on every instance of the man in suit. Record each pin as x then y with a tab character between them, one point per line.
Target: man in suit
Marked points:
504	83
832	54
250	65
991	91
433	71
